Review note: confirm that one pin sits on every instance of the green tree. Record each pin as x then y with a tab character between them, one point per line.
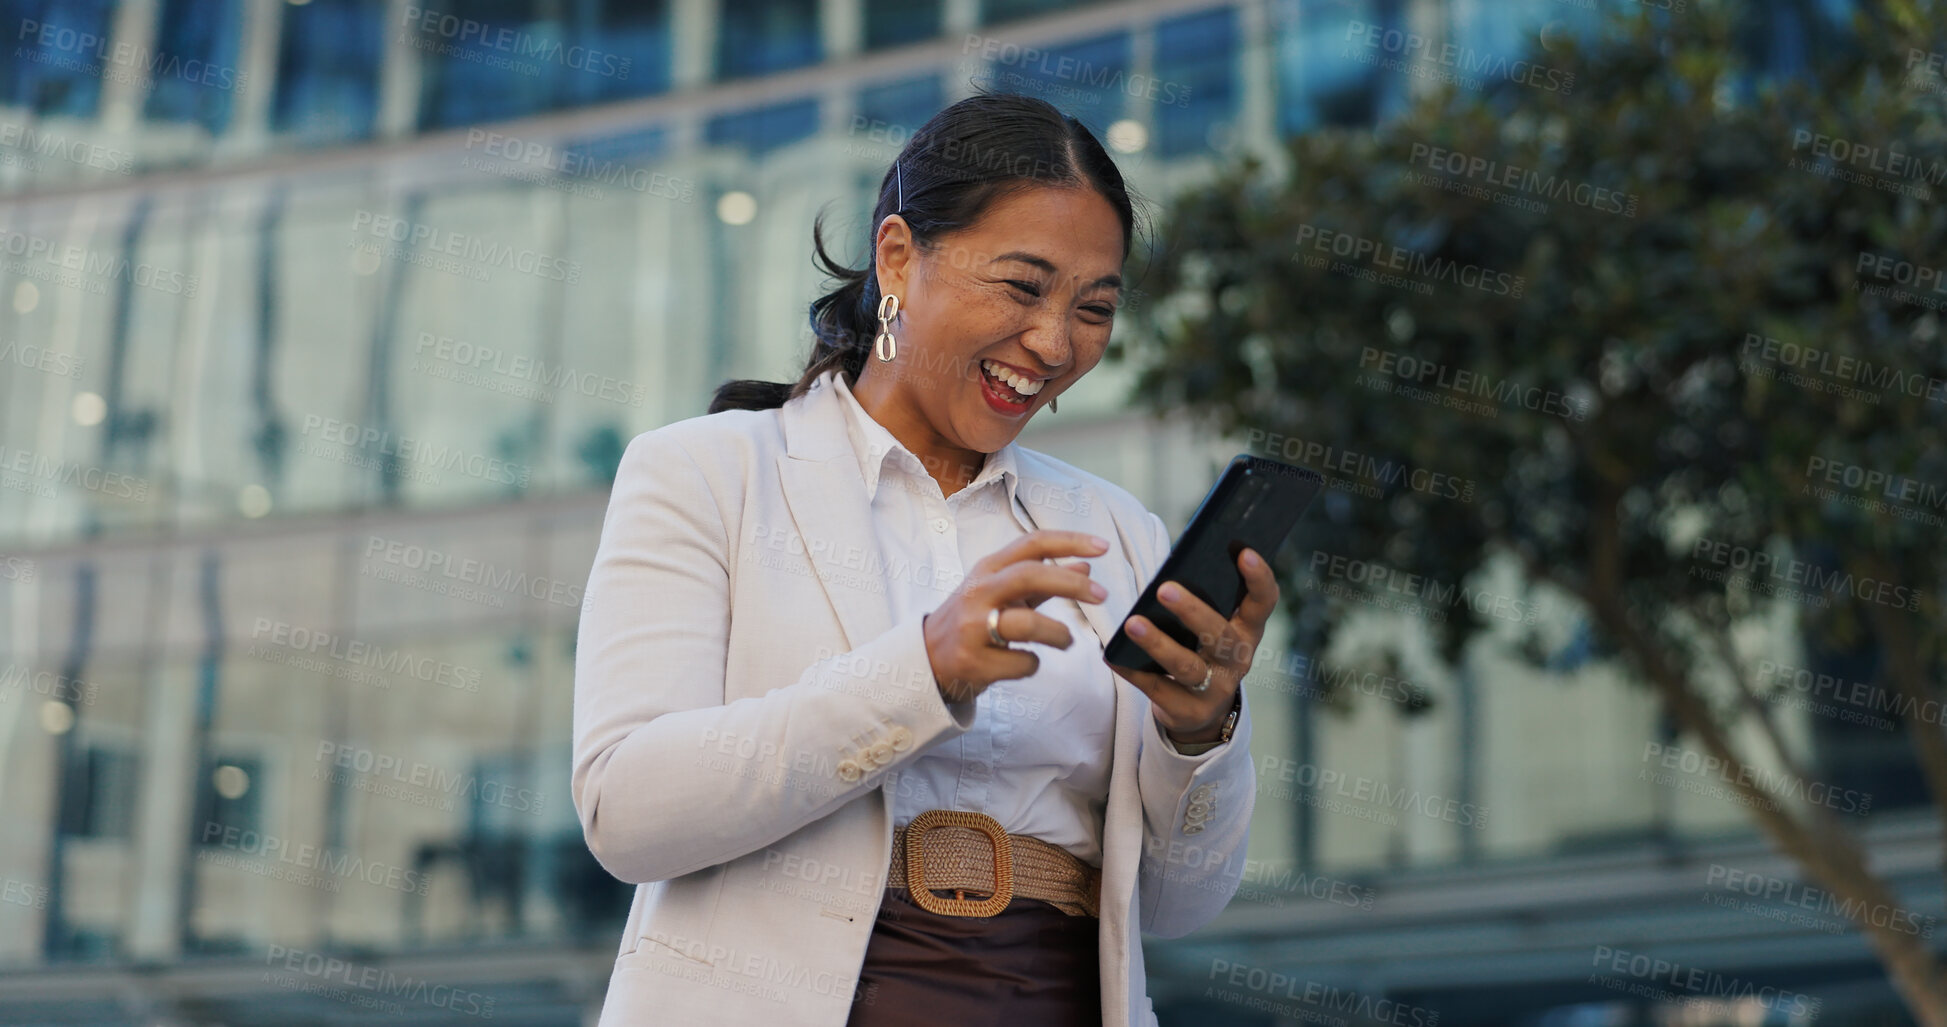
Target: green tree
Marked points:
1685	342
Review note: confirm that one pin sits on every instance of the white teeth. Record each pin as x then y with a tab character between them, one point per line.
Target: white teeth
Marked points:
1024	386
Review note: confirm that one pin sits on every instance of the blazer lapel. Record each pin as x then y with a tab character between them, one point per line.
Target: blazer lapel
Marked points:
819	475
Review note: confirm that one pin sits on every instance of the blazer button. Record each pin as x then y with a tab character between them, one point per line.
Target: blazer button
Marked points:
1193	829
901	737
849	770
880	753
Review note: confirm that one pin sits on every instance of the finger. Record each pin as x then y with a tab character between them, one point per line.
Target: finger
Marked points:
1042	545
1020	624
1039	598
1180	663
1030	584
1261	597
1211	627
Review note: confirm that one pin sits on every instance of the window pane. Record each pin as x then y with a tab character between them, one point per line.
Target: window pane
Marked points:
56	61
1195	89
328	69
761	36
765	128
893	22
487	60
194	63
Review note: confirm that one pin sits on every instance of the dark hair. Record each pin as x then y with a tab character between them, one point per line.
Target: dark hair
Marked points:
951	170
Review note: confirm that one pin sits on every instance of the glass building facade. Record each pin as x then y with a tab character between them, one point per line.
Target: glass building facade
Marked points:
327	325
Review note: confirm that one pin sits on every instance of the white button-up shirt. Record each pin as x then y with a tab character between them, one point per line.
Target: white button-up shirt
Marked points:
1037	756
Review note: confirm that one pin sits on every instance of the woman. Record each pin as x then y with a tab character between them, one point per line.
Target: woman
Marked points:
827	610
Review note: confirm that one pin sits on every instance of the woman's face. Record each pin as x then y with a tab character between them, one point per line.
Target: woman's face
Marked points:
1033	285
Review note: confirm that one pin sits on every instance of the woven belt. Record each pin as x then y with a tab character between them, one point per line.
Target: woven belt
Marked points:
961	851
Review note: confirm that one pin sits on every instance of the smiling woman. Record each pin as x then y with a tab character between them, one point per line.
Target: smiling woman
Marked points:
893	779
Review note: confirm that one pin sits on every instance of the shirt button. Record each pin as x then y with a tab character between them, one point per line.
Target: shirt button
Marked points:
939	524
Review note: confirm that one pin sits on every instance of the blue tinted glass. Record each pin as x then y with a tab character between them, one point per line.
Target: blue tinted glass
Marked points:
893	22
765	128
756	37
328	69
897	109
486	60
1007	10
55	60
1327	72
194	64
1088	80
623	50
1195	85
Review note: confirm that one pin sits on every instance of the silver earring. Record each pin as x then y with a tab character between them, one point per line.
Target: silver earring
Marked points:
1054	405
885	345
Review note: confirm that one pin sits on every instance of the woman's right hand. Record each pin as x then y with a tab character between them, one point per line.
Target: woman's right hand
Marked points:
1013	579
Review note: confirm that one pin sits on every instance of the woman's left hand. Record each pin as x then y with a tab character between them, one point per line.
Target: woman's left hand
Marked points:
1224	648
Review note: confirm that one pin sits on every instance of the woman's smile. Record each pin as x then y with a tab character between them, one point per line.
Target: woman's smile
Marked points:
1009	396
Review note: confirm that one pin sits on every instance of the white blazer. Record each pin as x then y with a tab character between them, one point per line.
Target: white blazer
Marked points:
737	644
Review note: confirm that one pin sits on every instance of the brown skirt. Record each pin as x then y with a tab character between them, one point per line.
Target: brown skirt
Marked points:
1030	965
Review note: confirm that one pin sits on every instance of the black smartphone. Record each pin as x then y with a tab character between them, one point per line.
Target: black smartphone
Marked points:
1254	505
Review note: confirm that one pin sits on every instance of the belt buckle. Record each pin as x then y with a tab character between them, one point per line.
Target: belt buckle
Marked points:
915	863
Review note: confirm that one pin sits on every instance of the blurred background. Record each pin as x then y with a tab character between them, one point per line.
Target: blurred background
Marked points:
324	323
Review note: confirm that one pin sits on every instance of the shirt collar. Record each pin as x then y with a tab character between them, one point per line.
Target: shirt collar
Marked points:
873	444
